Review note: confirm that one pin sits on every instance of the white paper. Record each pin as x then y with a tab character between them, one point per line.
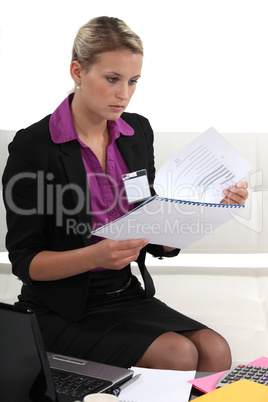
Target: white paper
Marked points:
202	170
158	386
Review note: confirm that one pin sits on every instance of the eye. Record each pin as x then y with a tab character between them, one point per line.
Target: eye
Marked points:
133	82
112	80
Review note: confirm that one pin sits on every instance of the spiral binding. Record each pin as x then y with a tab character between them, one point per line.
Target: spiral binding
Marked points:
206	204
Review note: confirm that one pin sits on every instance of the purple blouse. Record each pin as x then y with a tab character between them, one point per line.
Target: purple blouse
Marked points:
107	194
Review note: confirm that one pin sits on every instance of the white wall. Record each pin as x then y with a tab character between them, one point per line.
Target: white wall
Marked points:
205	61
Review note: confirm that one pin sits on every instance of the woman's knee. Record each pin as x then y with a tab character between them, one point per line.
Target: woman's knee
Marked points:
214	351
170	351
221	351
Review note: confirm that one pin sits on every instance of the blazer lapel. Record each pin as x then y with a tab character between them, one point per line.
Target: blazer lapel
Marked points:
132	153
76	174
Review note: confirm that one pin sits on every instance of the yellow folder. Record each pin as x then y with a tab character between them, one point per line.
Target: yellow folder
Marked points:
239	391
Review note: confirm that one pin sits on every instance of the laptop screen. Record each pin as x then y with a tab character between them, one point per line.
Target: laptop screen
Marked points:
25	374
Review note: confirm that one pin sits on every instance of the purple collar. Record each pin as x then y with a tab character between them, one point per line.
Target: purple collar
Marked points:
62	127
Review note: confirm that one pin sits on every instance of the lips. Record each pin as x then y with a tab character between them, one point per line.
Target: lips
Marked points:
117	108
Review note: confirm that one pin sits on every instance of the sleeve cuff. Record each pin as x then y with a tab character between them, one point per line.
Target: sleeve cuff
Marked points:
159	252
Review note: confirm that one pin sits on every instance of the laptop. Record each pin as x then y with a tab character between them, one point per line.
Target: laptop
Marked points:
30	374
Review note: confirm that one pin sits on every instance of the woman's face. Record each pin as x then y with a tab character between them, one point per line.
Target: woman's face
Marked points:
106	89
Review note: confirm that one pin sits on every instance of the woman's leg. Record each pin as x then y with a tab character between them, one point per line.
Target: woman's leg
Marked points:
202	350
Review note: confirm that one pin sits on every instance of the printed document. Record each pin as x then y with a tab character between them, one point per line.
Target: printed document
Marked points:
202	170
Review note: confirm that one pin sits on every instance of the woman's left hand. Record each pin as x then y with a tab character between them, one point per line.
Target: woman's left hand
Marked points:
236	194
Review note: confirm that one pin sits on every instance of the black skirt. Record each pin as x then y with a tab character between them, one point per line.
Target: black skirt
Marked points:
116	328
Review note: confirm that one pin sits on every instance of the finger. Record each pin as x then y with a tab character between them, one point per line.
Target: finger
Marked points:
236	190
235	196
125	257
131	253
132	244
242	184
125	249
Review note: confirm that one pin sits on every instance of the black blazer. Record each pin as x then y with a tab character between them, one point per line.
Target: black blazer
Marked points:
42	183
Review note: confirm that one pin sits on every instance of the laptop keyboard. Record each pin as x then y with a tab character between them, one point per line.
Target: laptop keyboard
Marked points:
76	385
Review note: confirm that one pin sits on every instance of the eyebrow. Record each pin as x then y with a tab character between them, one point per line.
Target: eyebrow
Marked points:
120	75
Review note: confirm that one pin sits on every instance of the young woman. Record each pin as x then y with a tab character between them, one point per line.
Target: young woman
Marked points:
64	178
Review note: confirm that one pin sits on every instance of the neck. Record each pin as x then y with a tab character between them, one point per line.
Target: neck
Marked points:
93	132
86	124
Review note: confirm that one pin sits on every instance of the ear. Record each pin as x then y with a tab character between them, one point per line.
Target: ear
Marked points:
75	71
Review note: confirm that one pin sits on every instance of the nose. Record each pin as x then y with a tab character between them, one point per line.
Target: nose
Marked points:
123	91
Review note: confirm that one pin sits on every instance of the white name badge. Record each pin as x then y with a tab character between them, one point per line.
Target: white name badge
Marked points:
136	186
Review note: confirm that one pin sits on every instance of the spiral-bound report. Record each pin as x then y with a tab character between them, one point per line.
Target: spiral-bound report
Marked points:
170	222
200	171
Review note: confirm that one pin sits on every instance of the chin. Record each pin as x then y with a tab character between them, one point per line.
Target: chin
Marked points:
114	116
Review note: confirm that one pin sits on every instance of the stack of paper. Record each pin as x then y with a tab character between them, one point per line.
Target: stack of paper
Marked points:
158	386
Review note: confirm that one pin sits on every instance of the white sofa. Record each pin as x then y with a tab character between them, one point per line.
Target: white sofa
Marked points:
222	280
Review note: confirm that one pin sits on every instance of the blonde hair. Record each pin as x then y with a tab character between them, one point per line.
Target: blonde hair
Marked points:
103	34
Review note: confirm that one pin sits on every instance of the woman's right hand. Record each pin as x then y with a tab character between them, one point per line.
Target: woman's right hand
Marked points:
112	254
